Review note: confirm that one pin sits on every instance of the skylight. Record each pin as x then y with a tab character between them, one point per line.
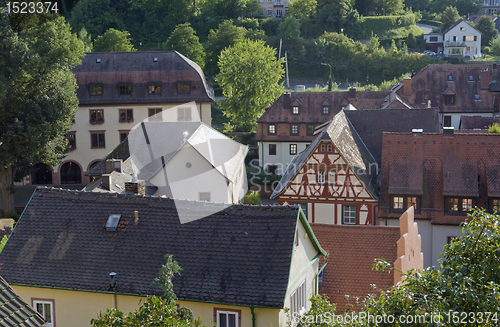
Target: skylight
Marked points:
112	222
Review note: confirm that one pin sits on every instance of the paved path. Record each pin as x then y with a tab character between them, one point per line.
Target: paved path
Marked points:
426	28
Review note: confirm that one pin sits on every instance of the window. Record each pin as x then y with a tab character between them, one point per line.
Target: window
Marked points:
471	78
295	110
154	114
184	88
469	38
71	137
272	129
450	77
449	99
97	140
495	205
321	177
368	128
293	149
46	309
204	196
154	89
401	203
322	148
227	317
310	129
272	149
331	177
95	89
96	116
433	39
294	130
329	148
454	39
349	214
326	110
459	205
455	51
298	299
125	89
447	121
475	37
123	135
477	97
184	114
462	28
126	115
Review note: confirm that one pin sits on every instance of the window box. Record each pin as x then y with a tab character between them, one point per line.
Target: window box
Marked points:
96	116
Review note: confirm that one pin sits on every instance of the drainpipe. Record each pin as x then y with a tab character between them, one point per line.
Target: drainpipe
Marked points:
253	316
316	277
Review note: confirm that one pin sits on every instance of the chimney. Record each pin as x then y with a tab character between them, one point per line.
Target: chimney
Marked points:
136	220
286	100
352	93
135	187
485	79
106	181
448	131
428	103
417	132
113	165
407	86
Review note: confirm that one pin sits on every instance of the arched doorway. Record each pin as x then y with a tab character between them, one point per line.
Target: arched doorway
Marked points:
42	174
71	173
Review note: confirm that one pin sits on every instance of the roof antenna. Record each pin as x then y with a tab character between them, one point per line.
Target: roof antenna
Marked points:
185	135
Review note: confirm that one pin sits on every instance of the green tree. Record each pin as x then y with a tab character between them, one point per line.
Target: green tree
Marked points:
113	40
96	16
302	8
390	7
411	41
289	28
486	26
449	17
332	14
464	7
86	39
37	93
252	198
226	35
495	47
184	40
249	76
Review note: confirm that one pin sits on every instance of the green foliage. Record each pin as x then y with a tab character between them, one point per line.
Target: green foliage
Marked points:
165	276
3	242
495	47
464	7
86	40
389	7
96	16
449	16
270	26
332	14
184	40
289	28
382	25
411	41
494	129
252	198
257	176
486	26
302	8
249	76
113	40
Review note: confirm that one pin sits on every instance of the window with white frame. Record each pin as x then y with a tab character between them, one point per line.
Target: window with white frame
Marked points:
227	318
295	110
298	299
321	177
349	215
46	309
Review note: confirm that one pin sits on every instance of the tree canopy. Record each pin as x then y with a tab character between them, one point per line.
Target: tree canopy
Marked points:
249	77
37	93
302	8
113	40
184	40
449	16
486	26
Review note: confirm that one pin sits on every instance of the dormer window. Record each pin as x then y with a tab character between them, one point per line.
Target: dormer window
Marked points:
125	89
95	89
449	99
272	129
326	110
477	97
462	28
295	110
184	88
154	89
471	78
450	78
294	130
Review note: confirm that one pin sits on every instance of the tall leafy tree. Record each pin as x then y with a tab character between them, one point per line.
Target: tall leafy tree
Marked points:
464	7
86	39
332	14
449	16
289	28
184	40
486	26
226	35
96	16
37	93
249	76
302	8
390	7
113	40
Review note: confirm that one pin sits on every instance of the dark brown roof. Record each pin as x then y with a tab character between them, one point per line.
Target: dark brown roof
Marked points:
434	166
431	83
311	108
139	69
352	252
348	143
14	311
240	255
476	122
370	124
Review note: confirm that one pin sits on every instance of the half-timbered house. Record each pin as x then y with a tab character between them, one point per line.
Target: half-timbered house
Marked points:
334	179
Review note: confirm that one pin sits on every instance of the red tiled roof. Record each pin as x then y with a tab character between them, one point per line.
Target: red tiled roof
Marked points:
463	165
352	250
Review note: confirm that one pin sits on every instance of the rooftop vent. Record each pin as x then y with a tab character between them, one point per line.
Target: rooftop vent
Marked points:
448	131
417	132
114	165
155	59
112	222
98	60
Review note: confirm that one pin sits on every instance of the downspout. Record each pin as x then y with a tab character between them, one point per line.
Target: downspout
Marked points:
253	316
316	276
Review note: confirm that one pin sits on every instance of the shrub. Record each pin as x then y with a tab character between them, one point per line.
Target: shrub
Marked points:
494	129
252	198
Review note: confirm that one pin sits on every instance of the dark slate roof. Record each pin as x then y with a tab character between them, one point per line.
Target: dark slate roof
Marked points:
476	122
14	311
139	69
347	141
370	124
240	255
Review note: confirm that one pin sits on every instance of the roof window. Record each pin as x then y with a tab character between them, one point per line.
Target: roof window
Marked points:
112	222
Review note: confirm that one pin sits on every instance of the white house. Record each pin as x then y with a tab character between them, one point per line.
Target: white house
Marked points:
459	40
